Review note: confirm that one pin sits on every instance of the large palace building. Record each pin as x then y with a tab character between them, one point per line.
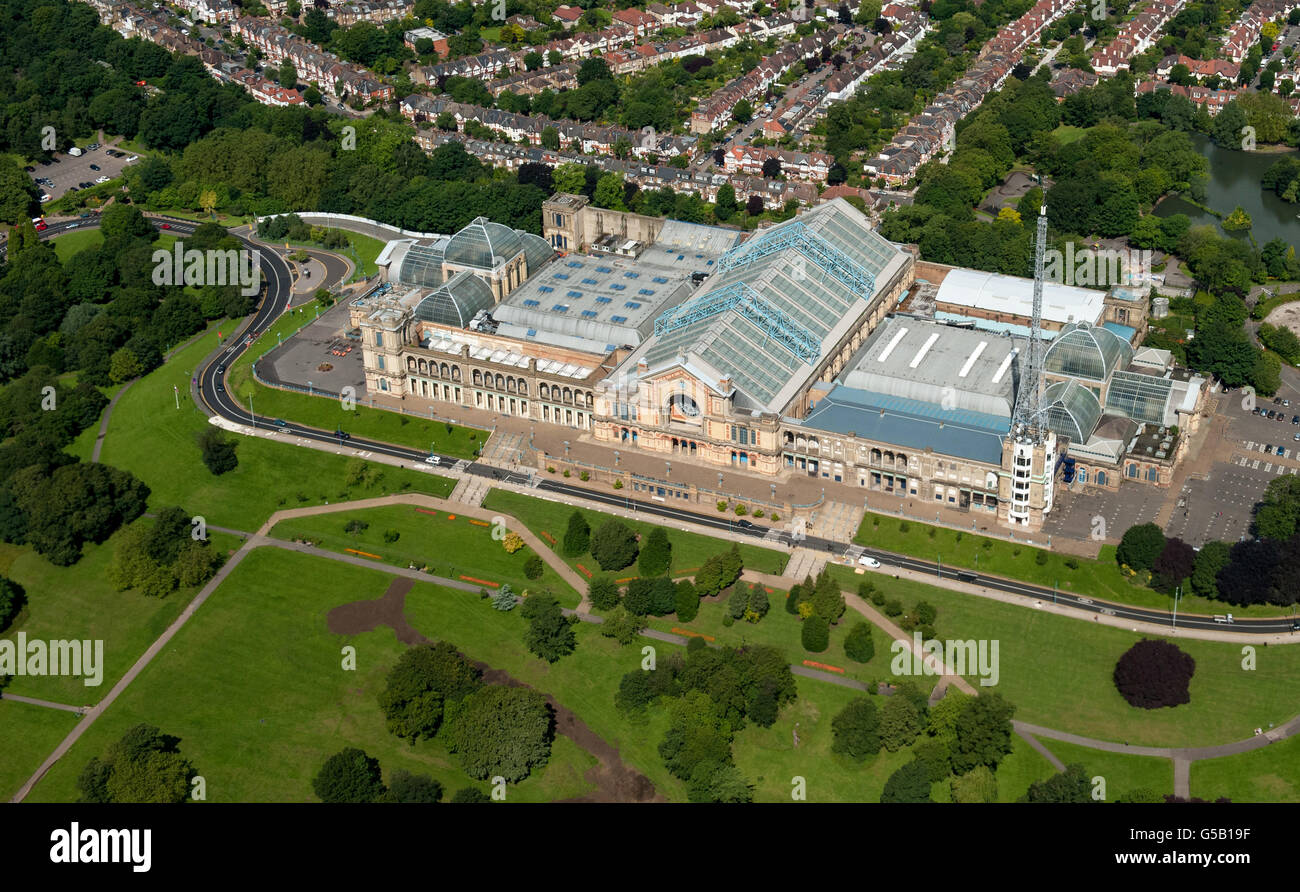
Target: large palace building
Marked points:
812	347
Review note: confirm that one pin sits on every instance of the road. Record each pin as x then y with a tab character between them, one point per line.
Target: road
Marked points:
210	392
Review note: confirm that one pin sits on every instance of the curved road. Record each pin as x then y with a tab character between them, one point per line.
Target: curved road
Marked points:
210	392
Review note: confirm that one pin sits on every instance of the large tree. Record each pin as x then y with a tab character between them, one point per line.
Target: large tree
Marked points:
1153	673
350	775
501	731
614	545
425	678
1140	546
856	730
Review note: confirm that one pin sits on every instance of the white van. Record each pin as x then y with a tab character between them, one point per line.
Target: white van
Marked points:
74	151
868	561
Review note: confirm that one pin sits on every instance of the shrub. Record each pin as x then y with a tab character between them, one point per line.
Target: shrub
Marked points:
741	510
1072	563
534	567
987	544
504	599
758	512
858	645
904	526
926	613
738	602
893	607
1154	673
687	601
878	598
550	469
758	603
656	554
391	536
933	530
722	504
775	517
618	484
815	634
355	527
584	476
566	473
602	591
577	536
856	730
614	545
728	621
512	542
1041	558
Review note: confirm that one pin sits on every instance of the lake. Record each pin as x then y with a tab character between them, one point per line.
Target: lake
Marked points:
1234	180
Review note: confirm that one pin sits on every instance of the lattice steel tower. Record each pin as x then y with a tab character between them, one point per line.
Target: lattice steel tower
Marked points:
1026	421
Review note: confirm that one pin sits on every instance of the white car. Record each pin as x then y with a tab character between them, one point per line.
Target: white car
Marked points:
433	460
868	561
45	196
132	159
101	179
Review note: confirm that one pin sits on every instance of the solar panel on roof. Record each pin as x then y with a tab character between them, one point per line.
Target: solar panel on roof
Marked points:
588	314
619	319
574	294
532	303
561	308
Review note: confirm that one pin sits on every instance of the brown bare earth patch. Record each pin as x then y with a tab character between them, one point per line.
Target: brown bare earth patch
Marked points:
613	780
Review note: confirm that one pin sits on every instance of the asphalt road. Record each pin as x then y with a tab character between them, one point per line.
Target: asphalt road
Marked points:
211	393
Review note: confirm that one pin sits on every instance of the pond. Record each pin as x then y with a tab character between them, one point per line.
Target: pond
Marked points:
1235	180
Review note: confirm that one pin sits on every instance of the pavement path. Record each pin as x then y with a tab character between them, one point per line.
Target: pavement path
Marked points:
46	703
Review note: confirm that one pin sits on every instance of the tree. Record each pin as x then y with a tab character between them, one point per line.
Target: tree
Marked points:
772	168
827	599
1211	559
603	592
1070	785
145	765
758	603
754	205
609	192
856	730
406	787
983	732
911	783
1140	546
724	207
815	634
218	451
656	554
686	601
471	794
900	723
614	545
696	734
1174	564
287	76
11	601
978	785
622	626
1152	674
718	782
534	567
349	775
504	599
593	69
417	687
571	177
550	633
533	60
577	536
742	112
858	645
502	731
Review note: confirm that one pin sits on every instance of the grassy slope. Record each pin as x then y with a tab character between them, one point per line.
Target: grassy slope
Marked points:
449	547
1101	578
28	734
79	602
690	550
1271	774
259	705
1057	670
327	413
151	438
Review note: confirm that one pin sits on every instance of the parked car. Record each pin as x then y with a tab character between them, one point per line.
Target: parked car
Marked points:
1268	450
433	460
101	179
868	561
94	167
41	225
1271	414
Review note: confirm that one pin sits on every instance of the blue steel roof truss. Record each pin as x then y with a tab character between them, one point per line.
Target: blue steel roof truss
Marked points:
744	299
798	236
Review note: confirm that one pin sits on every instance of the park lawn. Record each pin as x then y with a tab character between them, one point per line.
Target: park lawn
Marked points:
782	630
769	760
1100	577
152	439
1067	134
1123	773
28	734
79	602
67	245
253	686
448	544
1271	774
1020	768
690	550
327	413
1058	672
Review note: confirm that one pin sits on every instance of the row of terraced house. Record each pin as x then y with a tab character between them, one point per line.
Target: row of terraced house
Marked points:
1135	37
932	130
313	64
1245	33
909	26
715	112
773	193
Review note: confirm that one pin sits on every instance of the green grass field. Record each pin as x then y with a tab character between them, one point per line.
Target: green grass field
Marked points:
690	550
1122	774
254	688
1271	774
327	413
1058	672
1020	768
154	440
28	734
1101	578
67	245
453	548
79	602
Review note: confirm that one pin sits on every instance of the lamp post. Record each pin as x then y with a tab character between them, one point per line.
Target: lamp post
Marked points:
251	413
1054	585
939	566
615	458
719	480
1177	593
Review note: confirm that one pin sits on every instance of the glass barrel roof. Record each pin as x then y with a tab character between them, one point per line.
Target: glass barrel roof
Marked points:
483	245
536	251
456	302
1137	396
422	266
1086	351
1071	410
